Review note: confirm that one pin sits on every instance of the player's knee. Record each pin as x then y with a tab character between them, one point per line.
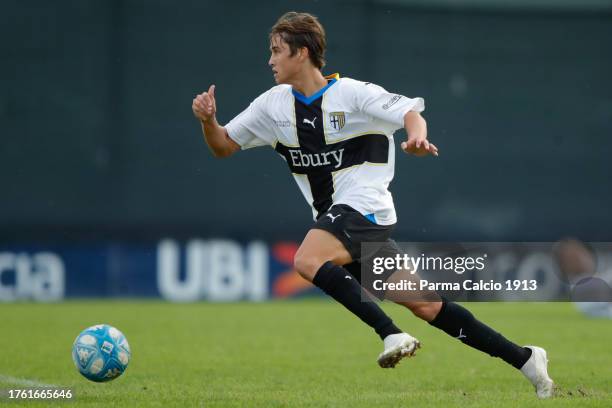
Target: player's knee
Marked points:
425	310
307	266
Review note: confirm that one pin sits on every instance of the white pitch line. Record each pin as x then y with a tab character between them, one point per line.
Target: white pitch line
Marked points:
25	382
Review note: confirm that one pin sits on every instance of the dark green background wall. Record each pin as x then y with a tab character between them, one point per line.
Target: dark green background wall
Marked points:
97	138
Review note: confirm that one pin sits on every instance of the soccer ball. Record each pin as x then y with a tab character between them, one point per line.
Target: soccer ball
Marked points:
101	353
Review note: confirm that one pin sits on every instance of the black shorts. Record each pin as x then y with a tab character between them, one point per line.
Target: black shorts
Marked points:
352	229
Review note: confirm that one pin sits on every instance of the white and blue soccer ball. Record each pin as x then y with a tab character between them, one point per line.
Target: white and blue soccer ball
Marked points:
101	353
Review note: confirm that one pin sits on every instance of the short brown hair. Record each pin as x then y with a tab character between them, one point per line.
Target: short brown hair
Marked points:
302	30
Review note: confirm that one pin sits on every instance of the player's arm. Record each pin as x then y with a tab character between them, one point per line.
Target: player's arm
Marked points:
204	108
398	111
417	143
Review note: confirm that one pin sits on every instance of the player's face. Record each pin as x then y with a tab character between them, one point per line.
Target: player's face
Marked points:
284	65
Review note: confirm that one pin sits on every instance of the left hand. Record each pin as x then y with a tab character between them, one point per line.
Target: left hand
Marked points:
419	146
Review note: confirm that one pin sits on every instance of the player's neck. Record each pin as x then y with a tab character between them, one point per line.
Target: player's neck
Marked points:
309	82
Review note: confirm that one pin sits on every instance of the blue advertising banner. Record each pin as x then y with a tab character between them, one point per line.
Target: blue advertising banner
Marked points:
223	270
215	270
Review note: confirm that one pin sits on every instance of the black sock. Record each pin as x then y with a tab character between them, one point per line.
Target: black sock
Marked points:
458	322
332	279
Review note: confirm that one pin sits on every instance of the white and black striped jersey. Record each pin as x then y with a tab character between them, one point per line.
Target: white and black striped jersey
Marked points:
338	143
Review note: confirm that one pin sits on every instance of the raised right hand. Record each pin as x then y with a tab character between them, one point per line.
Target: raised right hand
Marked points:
204	106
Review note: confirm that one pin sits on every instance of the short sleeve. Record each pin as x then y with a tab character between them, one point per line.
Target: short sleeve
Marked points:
250	128
375	101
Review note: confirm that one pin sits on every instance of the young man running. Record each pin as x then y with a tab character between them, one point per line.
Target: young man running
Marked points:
336	135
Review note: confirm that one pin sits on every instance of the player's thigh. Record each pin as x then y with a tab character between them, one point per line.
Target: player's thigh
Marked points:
318	247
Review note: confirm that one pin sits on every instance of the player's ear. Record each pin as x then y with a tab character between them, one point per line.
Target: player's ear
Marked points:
303	54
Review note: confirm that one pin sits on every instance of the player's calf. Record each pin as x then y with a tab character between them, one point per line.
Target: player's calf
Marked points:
458	322
307	266
423	310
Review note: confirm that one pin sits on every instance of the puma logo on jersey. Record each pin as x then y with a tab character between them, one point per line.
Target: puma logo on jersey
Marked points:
333	218
299	159
310	122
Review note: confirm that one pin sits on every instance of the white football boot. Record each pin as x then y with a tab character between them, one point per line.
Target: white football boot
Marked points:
535	369
397	346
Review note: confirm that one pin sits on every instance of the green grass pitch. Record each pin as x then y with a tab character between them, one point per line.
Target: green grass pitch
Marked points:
309	353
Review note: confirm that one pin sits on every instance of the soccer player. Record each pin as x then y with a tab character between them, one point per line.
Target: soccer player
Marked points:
336	135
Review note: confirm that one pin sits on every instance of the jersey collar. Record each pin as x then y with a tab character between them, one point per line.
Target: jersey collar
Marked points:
308	100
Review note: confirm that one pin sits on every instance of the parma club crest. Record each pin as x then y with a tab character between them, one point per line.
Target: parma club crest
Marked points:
337	120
